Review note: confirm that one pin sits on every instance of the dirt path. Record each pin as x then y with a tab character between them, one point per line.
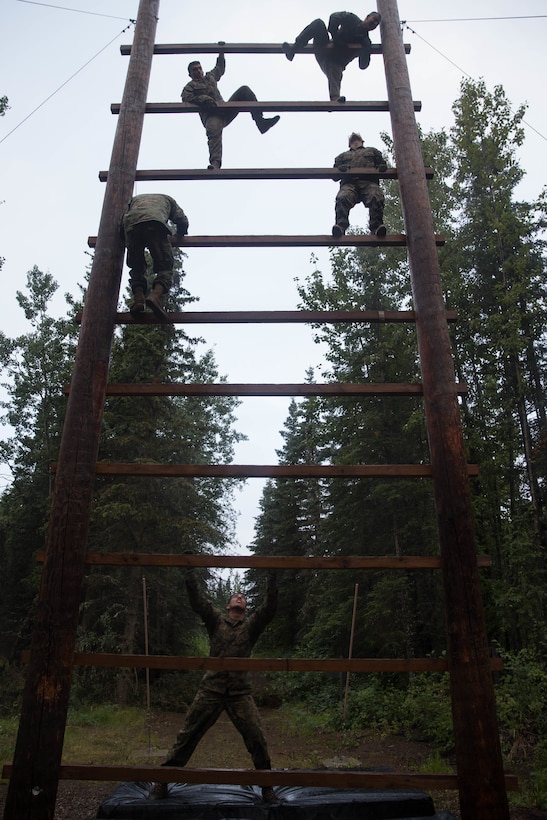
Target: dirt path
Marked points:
222	747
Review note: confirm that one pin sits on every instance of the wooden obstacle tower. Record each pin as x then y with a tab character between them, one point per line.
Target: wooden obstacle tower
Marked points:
36	768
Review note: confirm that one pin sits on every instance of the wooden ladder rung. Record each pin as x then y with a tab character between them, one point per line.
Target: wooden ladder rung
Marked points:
330	562
396	240
267	470
390	665
277	317
261	173
267	107
271	777
240	48
303	389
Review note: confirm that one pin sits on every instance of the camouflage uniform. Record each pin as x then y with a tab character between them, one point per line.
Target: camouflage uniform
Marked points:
145	226
344	29
201	92
358	189
230	691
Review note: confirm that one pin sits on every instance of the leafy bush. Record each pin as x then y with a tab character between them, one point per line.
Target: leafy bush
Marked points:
426	714
521	697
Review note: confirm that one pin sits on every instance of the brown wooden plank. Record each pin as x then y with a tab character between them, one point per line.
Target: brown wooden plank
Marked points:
163	175
238	48
33	786
272	777
278	316
268	107
391	665
331	562
275	241
236	389
268	470
479	758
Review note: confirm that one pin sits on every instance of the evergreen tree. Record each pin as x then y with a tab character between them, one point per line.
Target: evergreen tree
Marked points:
497	284
35	367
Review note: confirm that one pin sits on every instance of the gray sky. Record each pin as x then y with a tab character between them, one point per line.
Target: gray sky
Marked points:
51	197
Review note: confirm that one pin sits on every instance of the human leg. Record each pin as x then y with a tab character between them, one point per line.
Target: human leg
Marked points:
333	70
214	123
373	199
203	713
316	31
161	252
245	717
136	260
245	94
346	198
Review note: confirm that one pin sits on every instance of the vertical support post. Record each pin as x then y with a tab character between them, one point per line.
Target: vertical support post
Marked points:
478	753
33	785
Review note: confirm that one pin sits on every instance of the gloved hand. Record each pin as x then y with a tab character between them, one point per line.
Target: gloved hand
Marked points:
343	168
382	167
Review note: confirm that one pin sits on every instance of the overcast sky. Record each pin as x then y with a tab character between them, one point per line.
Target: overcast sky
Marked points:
61	69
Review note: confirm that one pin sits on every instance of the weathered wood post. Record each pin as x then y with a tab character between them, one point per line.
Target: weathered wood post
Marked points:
478	753
33	785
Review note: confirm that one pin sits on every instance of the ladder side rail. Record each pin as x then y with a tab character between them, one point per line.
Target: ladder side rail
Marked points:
478	751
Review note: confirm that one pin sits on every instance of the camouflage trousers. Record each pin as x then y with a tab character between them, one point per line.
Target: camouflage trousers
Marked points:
205	710
154	236
215	122
369	193
332	61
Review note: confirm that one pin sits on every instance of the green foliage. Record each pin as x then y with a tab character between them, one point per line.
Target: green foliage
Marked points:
521	697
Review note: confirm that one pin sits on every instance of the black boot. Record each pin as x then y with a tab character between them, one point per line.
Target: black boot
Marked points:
155	300
288	50
264	125
138	302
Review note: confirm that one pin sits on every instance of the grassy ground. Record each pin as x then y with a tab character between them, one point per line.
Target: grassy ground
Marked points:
109	735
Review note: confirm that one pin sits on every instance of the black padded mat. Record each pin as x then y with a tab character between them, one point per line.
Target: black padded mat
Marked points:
190	801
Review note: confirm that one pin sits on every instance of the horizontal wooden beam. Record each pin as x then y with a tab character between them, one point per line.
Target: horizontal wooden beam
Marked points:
393	665
341	779
394	240
268	107
336	389
318	317
240	48
267	470
164	175
330	562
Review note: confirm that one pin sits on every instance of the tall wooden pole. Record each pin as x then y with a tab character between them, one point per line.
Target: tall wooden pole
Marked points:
478	753
33	785
350	651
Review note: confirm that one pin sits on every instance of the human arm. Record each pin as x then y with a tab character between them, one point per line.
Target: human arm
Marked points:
198	600
341	164
379	161
180	219
220	65
265	613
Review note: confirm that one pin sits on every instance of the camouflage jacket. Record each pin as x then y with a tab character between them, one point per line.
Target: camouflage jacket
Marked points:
228	638
344	28
155	208
362	157
201	92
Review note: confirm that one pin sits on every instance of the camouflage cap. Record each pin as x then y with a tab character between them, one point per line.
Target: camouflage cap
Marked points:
354	136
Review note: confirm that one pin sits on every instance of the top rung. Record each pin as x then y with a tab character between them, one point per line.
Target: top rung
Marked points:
238	48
